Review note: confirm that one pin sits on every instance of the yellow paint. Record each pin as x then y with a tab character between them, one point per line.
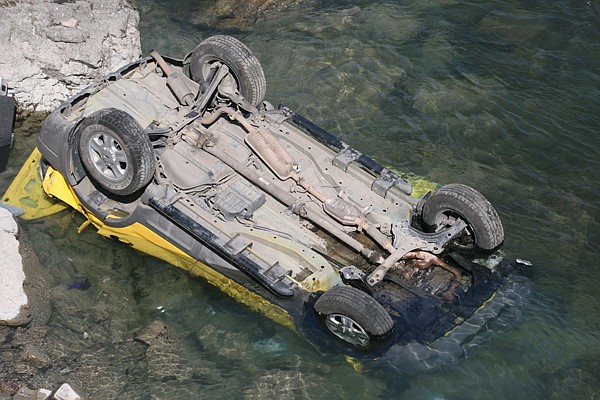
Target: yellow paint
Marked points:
483	305
84	225
421	186
146	241
356	364
25	191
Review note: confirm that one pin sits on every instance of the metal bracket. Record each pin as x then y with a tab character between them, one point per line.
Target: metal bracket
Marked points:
276	272
407	238
237	244
386	180
345	157
435	242
354	277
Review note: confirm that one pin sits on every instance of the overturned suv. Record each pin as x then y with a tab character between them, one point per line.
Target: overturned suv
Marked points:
184	161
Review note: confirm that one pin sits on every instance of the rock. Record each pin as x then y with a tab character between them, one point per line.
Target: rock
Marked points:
52	49
43	394
35	357
13	302
8	387
69	23
238	14
287	384
578	379
224	344
154	333
66	392
30	394
25	394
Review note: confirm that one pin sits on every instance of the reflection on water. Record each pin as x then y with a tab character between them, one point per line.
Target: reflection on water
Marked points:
499	95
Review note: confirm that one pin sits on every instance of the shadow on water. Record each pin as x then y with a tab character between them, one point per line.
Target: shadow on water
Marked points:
502	96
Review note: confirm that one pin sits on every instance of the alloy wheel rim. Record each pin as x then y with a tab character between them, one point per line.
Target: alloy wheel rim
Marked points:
347	329
108	156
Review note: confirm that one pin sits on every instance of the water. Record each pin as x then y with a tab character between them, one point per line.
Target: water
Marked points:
501	95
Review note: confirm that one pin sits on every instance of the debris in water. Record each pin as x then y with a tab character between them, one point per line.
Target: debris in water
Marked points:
81	285
271	345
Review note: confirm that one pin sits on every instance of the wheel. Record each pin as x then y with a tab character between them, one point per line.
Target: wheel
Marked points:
353	315
460	201
243	65
116	152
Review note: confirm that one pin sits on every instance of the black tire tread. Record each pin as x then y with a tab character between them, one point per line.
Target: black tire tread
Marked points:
136	144
7	119
357	305
239	59
473	207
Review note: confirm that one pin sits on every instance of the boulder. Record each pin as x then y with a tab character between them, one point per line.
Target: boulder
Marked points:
13	301
53	49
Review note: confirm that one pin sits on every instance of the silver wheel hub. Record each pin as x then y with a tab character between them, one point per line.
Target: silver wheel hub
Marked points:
347	329
108	156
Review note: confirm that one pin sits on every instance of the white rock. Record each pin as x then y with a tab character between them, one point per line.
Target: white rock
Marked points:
69	23
8	225
51	50
43	394
13	299
66	392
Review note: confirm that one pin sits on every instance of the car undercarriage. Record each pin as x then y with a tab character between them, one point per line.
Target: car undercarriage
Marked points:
185	160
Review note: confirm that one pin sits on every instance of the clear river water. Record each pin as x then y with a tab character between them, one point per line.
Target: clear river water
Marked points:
500	95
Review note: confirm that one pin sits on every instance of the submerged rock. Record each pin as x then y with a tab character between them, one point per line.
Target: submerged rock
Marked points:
580	379
35	357
52	49
30	394
25	394
154	333
238	14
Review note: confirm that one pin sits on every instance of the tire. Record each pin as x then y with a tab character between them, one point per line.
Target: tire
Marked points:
243	65
7	121
353	315
116	152
461	201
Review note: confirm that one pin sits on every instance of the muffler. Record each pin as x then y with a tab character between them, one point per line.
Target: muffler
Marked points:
179	84
272	153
